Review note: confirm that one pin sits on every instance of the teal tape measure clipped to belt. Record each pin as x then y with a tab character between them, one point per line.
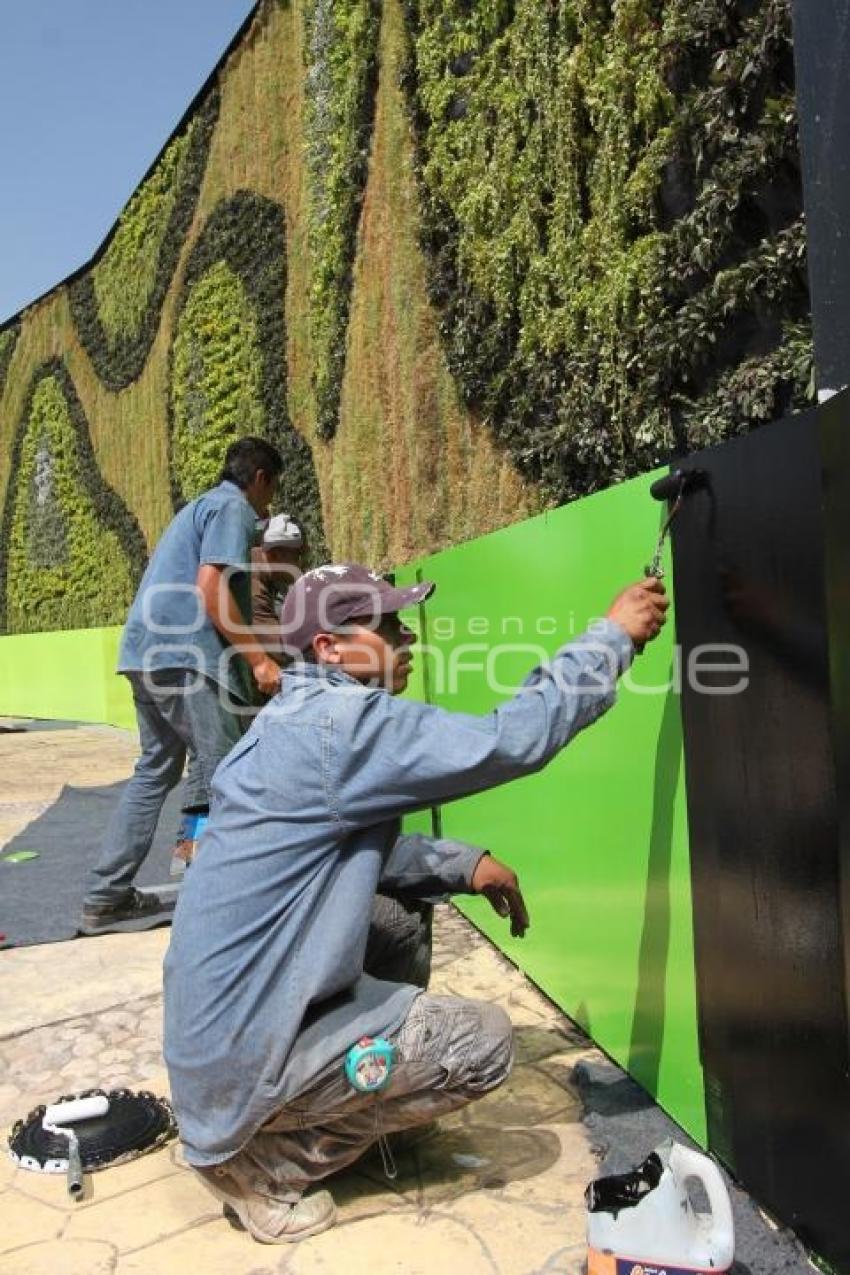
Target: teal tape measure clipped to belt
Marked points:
369	1064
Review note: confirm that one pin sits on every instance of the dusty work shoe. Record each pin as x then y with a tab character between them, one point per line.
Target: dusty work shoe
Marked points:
134	911
270	1214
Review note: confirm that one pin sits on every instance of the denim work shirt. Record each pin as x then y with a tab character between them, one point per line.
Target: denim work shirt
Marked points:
264	982
168	626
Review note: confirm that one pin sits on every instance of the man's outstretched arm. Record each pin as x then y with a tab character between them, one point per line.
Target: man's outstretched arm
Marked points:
396	756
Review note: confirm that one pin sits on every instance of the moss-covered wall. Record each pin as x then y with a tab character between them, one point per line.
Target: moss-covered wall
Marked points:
610	201
457	260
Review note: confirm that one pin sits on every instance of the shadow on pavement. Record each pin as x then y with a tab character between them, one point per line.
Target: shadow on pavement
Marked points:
457	1161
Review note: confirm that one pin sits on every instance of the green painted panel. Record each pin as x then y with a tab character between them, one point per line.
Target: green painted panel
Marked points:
417	687
118	702
599	838
66	676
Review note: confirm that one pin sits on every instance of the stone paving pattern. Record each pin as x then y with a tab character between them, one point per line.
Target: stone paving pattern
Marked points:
499	1190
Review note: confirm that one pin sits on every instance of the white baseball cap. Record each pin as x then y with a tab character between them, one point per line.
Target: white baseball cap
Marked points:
282	532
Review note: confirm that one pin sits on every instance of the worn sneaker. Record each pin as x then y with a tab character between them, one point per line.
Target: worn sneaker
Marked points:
272	1215
135	911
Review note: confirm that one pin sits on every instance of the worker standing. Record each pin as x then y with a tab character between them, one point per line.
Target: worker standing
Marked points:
276	563
193	664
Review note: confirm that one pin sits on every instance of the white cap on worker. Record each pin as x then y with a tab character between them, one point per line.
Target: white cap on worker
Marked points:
282	532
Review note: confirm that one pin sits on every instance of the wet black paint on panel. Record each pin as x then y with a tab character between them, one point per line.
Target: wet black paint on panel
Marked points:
763	804
822	58
834	420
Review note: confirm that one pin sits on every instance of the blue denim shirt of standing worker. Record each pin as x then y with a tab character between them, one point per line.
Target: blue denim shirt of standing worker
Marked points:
167	626
264	981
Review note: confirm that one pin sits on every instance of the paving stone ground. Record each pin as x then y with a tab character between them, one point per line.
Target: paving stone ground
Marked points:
498	1192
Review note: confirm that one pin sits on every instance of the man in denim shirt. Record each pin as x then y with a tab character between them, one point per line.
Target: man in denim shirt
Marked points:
267	983
191	658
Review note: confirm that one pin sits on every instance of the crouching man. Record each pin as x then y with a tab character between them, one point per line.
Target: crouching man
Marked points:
269	979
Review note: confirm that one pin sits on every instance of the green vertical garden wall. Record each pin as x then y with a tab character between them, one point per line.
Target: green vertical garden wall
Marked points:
508	253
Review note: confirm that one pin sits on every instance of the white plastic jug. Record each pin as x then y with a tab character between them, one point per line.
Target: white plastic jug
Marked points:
643	1223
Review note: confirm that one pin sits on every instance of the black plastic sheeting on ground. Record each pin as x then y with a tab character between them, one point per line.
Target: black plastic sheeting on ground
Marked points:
41	899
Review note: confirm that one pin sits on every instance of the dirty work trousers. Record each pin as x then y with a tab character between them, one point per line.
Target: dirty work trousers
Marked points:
449	1051
171	718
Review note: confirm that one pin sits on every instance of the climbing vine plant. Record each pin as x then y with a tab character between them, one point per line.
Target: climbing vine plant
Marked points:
117	304
611	209
73	554
228	359
340	49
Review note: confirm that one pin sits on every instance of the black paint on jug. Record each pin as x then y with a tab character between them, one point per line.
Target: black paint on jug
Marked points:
624	1190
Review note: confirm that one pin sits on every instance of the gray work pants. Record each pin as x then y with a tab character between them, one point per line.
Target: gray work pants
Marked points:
399	946
449	1051
196	793
171	718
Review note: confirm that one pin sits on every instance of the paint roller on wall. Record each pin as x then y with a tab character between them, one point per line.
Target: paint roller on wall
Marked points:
673	488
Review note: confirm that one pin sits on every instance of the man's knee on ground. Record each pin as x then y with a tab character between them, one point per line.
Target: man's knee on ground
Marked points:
472	1042
493	1052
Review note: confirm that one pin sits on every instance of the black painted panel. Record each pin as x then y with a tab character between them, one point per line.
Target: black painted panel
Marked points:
834	421
764	812
822	58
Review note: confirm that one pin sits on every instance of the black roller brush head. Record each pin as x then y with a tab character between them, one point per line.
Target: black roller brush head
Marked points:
676	483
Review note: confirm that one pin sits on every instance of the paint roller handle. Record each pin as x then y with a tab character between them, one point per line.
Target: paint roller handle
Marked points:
56	1119
672	488
75	1169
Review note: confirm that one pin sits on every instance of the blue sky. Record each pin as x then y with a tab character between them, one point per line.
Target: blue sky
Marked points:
89	92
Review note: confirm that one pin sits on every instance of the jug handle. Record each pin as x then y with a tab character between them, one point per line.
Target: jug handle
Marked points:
692	1164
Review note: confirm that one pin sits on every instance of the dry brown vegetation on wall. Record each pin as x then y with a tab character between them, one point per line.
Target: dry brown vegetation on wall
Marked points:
420	246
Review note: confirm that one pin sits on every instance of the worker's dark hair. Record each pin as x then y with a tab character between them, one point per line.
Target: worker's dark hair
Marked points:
244	457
